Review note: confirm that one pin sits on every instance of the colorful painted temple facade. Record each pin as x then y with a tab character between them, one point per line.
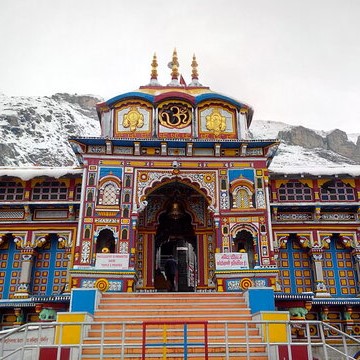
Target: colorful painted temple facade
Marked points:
175	174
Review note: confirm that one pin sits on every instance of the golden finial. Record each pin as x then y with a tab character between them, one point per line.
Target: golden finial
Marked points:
194	65
194	73
154	73
154	65
174	66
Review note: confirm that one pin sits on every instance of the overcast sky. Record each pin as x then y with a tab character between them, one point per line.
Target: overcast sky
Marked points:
293	61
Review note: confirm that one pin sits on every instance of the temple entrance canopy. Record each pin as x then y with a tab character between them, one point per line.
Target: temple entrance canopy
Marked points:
175	223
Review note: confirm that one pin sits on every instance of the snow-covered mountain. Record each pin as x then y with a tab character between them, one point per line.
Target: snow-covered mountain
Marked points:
304	150
35	131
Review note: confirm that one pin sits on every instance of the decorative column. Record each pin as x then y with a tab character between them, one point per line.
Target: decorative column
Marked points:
356	255
280	242
316	253
28	252
133	235
218	234
27	256
66	243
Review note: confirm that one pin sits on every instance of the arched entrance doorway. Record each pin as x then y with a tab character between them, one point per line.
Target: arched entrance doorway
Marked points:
175	239
175	224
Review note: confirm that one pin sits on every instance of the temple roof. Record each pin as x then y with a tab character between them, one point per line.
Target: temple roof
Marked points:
193	93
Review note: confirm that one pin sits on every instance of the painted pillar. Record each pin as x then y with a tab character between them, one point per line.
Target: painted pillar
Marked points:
319	286
149	260
28	252
218	234
133	236
356	254
202	260
65	242
27	259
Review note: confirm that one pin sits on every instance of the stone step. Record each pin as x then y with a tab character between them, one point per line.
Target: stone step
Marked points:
174	339
135	308
116	334
172	294
168	311
117	328
176	317
150	304
171	300
201	356
217	348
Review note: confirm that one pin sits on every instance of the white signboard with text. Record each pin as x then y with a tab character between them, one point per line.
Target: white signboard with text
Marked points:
231	261
112	261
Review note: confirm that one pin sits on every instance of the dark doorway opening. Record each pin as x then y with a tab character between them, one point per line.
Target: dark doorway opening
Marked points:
175	238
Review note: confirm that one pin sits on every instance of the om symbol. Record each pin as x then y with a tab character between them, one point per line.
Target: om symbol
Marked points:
175	115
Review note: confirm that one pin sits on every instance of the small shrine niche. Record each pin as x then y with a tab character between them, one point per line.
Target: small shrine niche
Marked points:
105	242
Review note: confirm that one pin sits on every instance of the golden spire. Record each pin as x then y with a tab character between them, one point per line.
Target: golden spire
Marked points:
154	65
194	65
194	73
154	73
174	66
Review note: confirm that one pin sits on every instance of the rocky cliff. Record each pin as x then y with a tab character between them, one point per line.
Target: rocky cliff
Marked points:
335	141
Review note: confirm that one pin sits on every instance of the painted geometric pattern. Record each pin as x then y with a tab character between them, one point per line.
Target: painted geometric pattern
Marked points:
206	180
10	270
295	273
339	272
49	271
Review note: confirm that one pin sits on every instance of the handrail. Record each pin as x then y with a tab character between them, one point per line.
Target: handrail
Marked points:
225	337
185	342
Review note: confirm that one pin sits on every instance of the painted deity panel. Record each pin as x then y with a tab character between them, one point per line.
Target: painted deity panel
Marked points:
133	120
216	121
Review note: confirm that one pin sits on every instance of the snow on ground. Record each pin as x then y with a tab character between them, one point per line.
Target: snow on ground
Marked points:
27	173
262	129
291	159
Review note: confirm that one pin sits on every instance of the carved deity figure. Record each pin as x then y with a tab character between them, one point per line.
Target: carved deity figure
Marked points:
216	122
133	119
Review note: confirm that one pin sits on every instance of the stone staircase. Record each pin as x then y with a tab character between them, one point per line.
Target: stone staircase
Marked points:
122	335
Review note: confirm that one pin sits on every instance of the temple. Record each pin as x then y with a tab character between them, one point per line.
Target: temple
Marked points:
175	174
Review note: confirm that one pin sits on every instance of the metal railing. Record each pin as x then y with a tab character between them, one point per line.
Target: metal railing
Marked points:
178	342
226	339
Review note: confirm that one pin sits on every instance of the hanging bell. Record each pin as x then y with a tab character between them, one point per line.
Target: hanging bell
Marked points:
176	211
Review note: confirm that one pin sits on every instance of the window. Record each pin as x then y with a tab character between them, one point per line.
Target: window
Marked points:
11	190
295	191
336	190
109	194
242	194
78	192
242	198
50	190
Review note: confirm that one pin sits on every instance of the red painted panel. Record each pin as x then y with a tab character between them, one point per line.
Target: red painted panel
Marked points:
51	353
297	352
